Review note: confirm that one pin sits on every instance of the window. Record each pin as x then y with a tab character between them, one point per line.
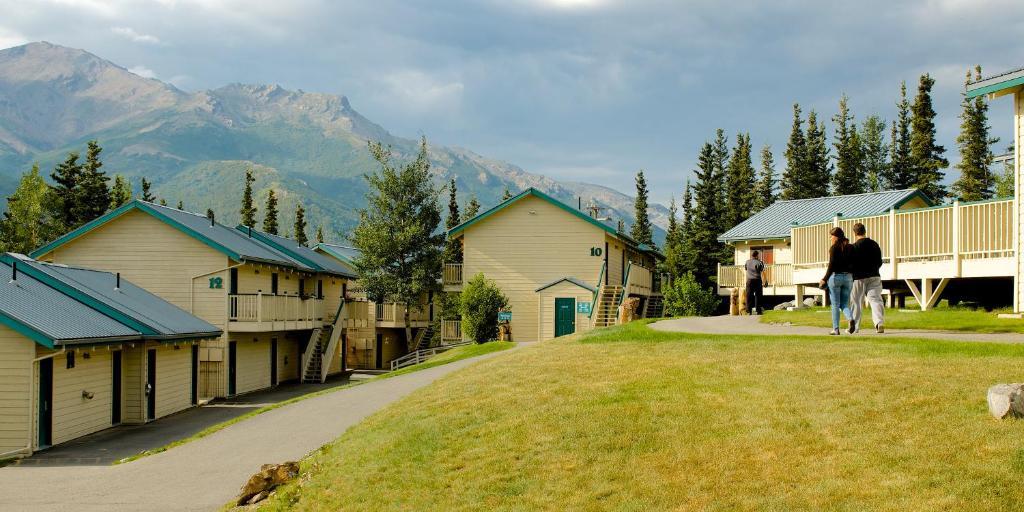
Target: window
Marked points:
71	360
273	283
319	288
302	287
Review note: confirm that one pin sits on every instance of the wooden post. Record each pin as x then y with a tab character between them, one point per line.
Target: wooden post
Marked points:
259	307
956	238
892	244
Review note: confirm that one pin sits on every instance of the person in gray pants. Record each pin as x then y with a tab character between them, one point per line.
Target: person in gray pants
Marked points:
867	259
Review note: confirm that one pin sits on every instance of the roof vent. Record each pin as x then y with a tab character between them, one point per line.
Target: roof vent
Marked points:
250	231
212	221
117	281
14	271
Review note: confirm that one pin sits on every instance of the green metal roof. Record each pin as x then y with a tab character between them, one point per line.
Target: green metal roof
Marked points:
541	195
996	83
60	305
228	241
300	252
775	221
346	255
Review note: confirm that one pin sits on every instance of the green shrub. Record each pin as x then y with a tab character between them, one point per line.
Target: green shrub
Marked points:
686	298
480	303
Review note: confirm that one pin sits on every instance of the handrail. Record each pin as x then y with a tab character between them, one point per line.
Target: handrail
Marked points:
307	355
597	289
625	284
332	344
421	355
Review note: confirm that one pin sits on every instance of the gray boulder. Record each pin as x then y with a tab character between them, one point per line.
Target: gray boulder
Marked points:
810	302
1006	400
784	306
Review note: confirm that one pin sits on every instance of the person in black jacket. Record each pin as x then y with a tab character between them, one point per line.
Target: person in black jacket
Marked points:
839	277
754	269
867	259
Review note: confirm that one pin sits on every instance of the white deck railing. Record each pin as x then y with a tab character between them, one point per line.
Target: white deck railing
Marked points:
452	274
259	307
451	331
735	276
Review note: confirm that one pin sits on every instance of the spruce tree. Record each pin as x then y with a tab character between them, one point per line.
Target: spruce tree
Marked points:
874	153
472	208
900	175
93	192
300	225
121	192
641	230
764	190
505	196
740	183
30	219
146	195
270	218
707	215
926	160
181	205
976	180
452	247
320	234
163	202
67	185
673	241
850	176
819	165
397	236
209	213
795	183
686	258
248	210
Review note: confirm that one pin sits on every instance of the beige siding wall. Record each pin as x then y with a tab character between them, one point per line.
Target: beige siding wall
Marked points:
173	378
616	262
74	415
781	251
547	307
16	385
258	279
253	370
528	245
289	359
133	367
332	295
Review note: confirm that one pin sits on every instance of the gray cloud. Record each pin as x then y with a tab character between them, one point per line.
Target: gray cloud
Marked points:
577	89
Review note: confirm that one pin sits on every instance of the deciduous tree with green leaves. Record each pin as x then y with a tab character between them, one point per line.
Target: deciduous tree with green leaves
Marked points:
397	235
300	225
30	219
248	210
641	231
270	217
479	304
976	180
1004	181
926	160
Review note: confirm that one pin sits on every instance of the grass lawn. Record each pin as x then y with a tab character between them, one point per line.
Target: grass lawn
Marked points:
941	319
632	419
455	354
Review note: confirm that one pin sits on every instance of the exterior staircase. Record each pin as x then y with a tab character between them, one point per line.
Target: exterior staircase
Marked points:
423	338
655	307
608	300
314	356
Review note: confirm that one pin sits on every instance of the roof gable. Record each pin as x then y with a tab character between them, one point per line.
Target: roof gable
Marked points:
228	241
346	255
776	220
571	280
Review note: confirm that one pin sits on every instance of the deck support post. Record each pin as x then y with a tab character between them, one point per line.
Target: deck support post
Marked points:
798	296
893	260
956	238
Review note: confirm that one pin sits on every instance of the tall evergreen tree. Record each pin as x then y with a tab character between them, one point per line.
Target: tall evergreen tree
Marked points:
506	195
270	217
452	247
707	215
181	205
641	230
93	193
674	240
926	160
248	209
146	194
67	178
976	180
300	225
795	181
209	213
320	234
764	190
874	153
850	176
472	208
397	236
900	174
819	165
31	218
672	233
121	192
740	183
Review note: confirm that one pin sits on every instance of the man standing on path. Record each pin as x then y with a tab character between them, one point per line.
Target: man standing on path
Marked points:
755	281
867	259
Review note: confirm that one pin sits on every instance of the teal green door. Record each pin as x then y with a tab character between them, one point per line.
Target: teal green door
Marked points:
565	316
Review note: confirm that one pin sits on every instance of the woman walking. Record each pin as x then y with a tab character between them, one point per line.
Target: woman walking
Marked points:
839	277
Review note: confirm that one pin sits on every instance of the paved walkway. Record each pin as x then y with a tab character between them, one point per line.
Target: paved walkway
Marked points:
752	325
207	473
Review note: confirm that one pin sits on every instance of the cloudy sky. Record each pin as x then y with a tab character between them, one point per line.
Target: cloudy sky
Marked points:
588	90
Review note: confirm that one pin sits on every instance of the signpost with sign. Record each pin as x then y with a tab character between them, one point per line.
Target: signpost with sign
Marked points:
504	316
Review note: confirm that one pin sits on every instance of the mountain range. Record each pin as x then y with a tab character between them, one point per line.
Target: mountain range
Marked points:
195	146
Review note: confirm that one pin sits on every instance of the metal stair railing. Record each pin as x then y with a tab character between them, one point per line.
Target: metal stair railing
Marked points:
311	348
422	355
332	344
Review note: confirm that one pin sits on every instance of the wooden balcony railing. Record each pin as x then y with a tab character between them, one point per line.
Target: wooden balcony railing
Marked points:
950	232
392	312
451	331
259	307
452	274
735	276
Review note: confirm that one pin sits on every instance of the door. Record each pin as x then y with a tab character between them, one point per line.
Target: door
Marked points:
151	384
233	290
45	402
565	316
273	283
195	374
767	256
379	352
232	366
115	386
273	361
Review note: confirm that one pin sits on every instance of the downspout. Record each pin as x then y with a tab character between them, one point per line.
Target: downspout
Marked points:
31	402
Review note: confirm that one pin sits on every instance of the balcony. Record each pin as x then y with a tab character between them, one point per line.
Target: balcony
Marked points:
365	314
258	312
451	331
451	276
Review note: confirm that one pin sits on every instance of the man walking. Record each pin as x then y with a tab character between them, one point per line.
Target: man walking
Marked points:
755	281
867	259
